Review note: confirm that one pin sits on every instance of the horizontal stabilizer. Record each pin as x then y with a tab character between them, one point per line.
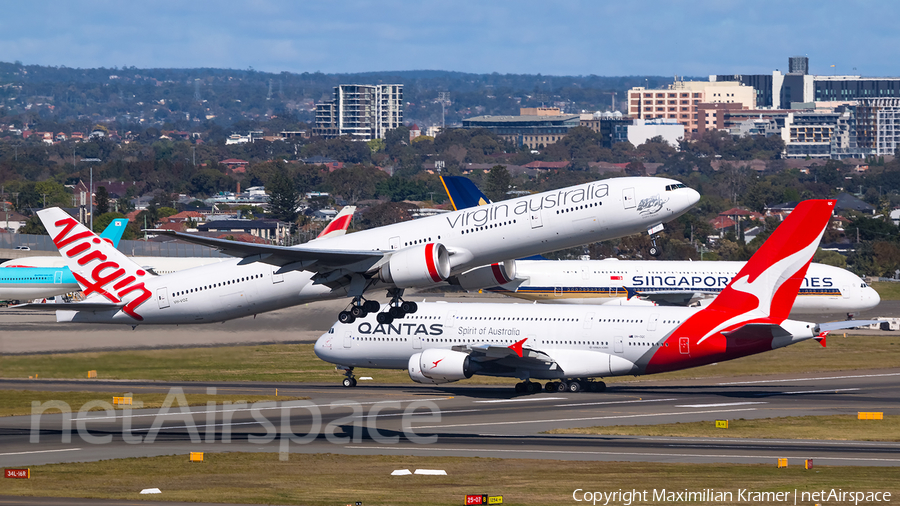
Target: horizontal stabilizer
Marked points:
70	306
846	324
758	331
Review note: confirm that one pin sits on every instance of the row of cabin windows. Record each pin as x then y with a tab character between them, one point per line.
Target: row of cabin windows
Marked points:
576	208
419	241
216	285
487	227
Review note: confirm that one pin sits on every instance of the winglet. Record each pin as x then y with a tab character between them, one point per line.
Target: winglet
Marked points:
821	338
517	347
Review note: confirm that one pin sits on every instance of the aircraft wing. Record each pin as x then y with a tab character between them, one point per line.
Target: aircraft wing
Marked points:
69	306
670	297
303	257
484	352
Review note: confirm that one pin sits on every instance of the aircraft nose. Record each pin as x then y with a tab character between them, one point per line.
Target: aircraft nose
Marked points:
872	297
692	195
323	347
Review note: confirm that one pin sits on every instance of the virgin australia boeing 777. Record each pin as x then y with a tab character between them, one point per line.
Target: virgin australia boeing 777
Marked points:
411	254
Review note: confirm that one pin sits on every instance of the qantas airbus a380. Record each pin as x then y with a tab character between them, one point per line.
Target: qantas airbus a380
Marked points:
411	254
571	345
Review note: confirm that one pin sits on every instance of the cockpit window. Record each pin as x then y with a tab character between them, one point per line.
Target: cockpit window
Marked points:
863	285
671	187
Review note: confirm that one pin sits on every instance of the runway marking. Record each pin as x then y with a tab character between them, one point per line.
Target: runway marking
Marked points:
529	399
40	451
583	419
429	413
819	391
632	454
812	379
719	405
770	441
611	402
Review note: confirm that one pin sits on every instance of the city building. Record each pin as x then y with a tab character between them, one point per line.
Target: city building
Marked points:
533	130
360	111
642	131
878	125
680	101
781	91
612	126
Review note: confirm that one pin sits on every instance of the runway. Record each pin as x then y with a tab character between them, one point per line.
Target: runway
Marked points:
467	421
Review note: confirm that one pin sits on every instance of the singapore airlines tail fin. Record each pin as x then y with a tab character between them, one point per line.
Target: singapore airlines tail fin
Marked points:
765	288
105	274
463	193
339	225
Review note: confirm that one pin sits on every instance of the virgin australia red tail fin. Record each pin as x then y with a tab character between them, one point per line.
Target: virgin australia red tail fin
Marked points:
339	225
104	273
765	289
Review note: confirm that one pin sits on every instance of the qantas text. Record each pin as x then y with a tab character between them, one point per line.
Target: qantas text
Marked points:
480	216
401	329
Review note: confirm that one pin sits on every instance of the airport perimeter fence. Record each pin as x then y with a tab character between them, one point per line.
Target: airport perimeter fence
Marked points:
131	248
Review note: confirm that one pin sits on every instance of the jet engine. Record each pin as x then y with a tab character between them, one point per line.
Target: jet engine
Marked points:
436	366
486	276
417	266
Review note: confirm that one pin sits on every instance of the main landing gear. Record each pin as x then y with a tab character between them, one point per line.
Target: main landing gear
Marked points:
360	308
397	308
573	386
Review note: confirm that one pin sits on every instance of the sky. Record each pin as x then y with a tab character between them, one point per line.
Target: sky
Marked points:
560	37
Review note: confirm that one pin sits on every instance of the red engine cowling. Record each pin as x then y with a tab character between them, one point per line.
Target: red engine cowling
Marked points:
486	276
417	266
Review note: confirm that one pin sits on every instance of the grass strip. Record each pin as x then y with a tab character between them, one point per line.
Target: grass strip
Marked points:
18	402
325	479
296	363
887	290
835	427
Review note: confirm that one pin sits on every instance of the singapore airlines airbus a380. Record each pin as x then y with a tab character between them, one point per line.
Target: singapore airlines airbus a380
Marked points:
411	254
571	345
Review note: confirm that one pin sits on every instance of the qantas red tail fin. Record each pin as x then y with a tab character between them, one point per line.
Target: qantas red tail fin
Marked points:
765	289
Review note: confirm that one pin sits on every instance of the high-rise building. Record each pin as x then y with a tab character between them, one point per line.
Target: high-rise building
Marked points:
360	111
798	65
878	125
